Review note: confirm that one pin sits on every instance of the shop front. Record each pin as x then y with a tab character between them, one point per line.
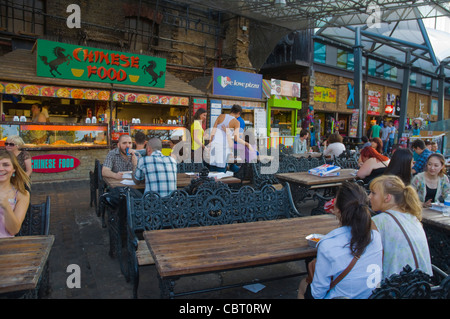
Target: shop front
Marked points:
92	97
245	89
283	106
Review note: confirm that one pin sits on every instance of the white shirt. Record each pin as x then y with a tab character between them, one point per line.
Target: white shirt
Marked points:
333	257
334	149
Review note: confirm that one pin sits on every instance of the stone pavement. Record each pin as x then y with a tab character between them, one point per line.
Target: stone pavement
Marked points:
81	240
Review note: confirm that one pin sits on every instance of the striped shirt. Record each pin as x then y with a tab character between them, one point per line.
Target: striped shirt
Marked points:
159	172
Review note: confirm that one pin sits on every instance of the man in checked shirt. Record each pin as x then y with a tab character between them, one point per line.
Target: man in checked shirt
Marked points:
419	147
159	172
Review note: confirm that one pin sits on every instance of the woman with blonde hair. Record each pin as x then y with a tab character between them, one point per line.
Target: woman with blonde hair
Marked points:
14	144
14	198
402	234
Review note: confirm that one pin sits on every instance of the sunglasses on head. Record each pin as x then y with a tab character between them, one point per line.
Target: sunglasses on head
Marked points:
9	144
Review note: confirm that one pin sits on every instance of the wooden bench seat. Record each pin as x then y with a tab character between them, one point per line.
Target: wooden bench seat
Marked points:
143	255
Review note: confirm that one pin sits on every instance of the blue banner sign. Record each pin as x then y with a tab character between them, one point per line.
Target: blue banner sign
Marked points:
237	83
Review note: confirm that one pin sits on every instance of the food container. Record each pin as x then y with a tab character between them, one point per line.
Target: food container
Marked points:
313	239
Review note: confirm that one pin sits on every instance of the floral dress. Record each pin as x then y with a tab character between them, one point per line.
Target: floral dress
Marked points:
443	188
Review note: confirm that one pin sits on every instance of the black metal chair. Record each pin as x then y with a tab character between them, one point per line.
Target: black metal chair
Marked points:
37	220
414	284
93	182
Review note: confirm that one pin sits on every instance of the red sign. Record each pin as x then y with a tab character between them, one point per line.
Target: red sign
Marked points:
53	163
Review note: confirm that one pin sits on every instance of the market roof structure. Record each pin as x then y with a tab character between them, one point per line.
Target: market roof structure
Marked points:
390	28
307	14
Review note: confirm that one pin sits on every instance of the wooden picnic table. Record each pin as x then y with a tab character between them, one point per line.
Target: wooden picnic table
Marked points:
437	228
22	264
302	182
308	154
196	250
183	180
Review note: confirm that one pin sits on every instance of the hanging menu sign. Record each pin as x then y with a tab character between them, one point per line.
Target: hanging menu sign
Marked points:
74	62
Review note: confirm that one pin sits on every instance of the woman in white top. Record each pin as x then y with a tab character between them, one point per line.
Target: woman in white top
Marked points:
333	146
224	132
398	202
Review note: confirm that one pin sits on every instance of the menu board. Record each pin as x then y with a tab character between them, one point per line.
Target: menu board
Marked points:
260	123
354	124
215	111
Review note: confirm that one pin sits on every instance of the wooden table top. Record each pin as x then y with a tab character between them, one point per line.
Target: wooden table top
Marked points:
183	180
197	250
308	154
22	260
309	179
435	218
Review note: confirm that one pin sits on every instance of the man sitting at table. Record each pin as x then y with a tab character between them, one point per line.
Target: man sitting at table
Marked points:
159	172
118	160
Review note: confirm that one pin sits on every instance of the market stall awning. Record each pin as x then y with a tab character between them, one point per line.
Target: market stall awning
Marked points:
19	66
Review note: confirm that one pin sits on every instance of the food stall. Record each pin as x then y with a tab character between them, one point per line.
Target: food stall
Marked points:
85	112
231	87
282	111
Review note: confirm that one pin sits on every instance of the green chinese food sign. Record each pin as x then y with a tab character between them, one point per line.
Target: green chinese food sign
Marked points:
74	62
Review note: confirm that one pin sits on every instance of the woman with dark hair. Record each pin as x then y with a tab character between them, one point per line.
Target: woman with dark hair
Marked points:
432	184
197	135
373	164
349	249
400	165
377	144
333	146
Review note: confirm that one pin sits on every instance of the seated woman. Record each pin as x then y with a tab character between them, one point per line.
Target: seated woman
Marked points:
399	205
354	241
400	165
432	184
14	144
377	144
333	146
14	198
373	164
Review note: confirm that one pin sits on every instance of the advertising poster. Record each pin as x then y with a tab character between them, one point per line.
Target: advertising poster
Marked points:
373	107
323	94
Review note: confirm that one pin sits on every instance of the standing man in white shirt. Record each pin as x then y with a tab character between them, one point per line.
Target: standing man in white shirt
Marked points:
384	136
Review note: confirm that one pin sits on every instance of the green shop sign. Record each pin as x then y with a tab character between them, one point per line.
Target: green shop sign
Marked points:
74	62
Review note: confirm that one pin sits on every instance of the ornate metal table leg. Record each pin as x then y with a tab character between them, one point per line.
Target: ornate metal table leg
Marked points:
299	194
166	287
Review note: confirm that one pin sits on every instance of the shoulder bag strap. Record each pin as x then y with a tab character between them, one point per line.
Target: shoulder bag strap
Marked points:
344	273
407	238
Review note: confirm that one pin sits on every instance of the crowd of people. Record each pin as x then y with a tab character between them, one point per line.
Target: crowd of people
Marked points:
379	233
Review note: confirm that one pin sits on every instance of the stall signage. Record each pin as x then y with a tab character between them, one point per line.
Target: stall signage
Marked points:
237	83
323	94
53	163
74	62
285	88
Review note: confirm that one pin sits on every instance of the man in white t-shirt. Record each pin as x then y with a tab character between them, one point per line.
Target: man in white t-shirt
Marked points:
384	136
